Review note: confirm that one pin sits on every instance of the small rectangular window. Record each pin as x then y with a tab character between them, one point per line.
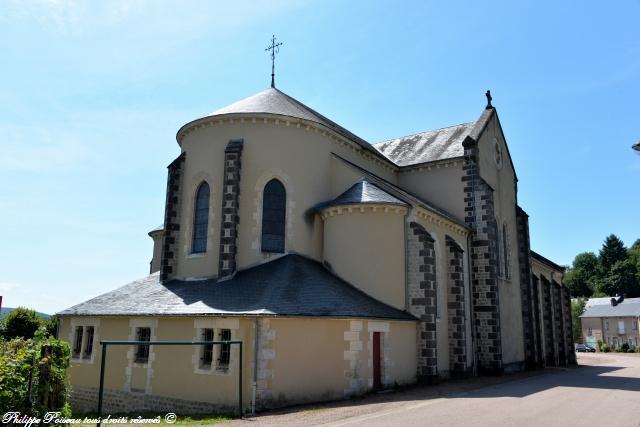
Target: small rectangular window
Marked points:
88	346
142	350
77	343
225	349
207	349
589	332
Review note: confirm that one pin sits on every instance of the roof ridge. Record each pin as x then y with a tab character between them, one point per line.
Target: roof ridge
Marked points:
423	132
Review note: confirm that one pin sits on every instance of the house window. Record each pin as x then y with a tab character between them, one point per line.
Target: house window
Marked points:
274	200
88	346
635	325
606	325
77	343
207	349
201	219
225	349
142	350
589	332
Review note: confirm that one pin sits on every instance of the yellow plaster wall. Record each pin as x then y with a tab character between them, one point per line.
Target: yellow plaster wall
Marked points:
440	184
300	158
367	250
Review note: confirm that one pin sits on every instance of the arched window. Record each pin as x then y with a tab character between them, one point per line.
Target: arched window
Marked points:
200	219
274	202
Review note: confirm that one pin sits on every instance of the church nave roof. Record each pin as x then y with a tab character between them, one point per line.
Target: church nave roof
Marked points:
292	285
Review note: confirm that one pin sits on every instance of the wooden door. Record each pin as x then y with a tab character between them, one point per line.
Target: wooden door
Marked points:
377	371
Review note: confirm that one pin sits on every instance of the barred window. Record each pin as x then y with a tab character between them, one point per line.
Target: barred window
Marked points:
207	349
77	343
88	346
200	219
225	349
142	350
274	201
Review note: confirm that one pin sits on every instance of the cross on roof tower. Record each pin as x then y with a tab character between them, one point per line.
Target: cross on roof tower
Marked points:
273	48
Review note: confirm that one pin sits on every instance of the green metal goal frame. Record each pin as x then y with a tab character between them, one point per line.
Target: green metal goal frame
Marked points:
107	343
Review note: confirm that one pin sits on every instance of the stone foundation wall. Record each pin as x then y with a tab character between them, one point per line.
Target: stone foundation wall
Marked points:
526	291
568	330
480	216
538	317
85	399
549	346
168	257
421	263
455	310
230	209
560	325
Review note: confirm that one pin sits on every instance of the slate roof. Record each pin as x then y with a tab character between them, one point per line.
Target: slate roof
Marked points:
363	192
289	286
546	261
626	308
427	146
607	301
403	194
274	101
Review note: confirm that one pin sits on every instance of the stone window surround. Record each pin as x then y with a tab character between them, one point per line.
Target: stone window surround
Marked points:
217	325
287	182
134	324
84	322
190	202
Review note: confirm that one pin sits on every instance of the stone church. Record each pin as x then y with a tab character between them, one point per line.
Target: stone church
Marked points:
343	267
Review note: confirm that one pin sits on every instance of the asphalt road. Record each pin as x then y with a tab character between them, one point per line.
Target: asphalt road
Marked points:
605	392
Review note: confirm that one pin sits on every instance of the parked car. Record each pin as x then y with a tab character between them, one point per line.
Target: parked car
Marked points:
583	348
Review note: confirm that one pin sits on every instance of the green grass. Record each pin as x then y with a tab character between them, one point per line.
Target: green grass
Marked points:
190	420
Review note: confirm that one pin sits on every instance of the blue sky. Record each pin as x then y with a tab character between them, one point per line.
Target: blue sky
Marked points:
92	94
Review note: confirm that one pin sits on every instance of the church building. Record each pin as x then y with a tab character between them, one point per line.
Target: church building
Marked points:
343	267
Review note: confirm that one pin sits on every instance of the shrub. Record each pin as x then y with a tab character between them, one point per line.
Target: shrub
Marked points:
22	323
606	348
600	343
624	347
33	375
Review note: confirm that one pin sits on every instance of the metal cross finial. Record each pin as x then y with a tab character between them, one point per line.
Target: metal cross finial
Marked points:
489	98
274	48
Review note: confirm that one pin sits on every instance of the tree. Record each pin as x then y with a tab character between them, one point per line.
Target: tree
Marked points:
581	278
612	251
22	322
636	245
577	310
622	280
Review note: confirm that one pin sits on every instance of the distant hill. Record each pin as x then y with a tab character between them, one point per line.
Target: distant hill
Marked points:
4	311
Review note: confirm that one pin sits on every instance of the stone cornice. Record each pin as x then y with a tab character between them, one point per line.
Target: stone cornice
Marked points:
287	121
437	164
441	221
362	208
